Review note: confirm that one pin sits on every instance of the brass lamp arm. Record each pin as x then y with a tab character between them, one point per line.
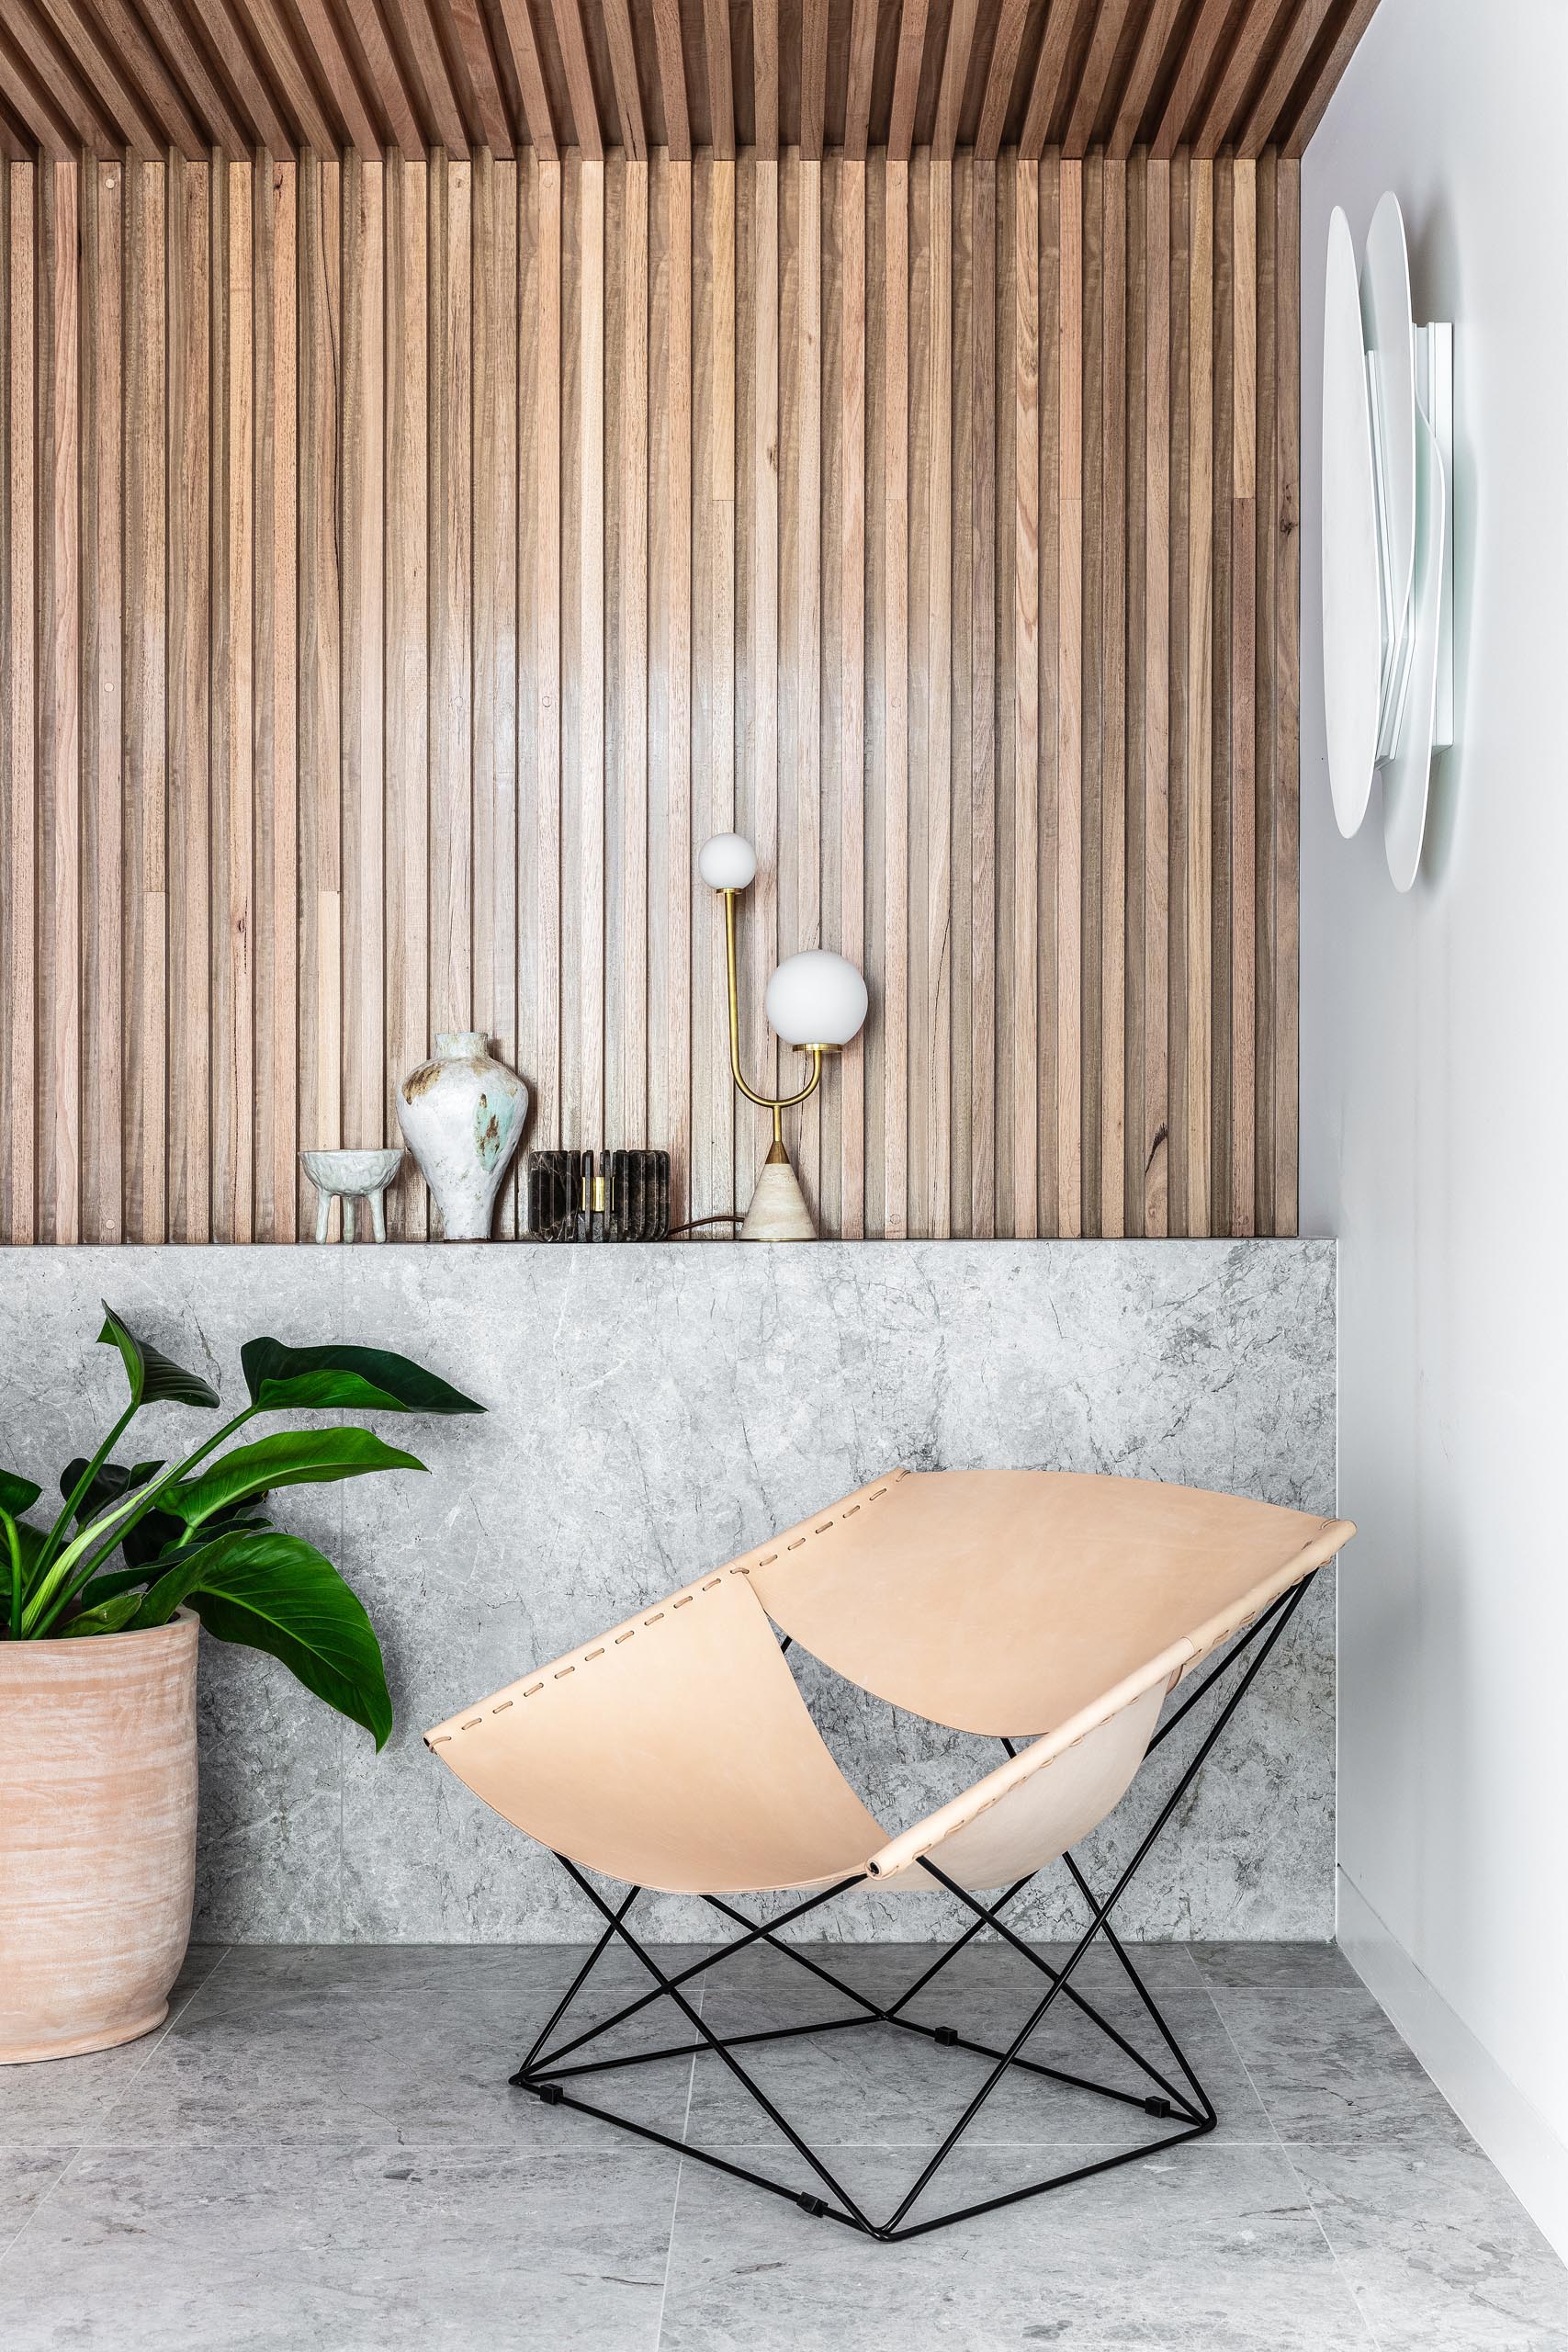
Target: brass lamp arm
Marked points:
776	1103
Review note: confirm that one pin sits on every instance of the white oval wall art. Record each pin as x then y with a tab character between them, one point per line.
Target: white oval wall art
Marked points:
1391	353
1406	776
1352	597
1387	537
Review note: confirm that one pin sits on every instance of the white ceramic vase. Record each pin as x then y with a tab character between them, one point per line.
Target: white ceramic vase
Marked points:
463	1114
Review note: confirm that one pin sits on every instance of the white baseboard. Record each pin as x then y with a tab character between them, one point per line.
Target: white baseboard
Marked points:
1513	2133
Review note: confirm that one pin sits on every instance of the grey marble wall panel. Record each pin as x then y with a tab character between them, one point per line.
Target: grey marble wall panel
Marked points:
653	1411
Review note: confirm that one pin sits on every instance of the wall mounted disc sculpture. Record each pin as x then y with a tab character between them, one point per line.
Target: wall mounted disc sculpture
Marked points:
1387	537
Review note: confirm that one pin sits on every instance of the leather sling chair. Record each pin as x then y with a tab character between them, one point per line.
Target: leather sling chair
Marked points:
676	1752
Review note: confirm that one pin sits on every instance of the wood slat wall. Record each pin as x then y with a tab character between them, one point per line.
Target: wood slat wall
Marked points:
407	564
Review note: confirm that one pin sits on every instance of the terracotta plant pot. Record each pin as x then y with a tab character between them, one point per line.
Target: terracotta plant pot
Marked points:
97	1836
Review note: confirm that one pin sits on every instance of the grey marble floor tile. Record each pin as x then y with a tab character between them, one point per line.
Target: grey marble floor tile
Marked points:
873	2084
1328	2065
57	2101
1212	2249
1275	1968
26	2178
1439	2254
405	2043
346	2248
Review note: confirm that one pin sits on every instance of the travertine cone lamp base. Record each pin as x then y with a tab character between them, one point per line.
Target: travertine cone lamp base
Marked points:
778	1210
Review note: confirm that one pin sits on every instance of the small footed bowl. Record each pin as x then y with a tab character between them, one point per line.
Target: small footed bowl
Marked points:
351	1171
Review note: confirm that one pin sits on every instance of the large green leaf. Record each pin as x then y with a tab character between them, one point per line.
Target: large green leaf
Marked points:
155	1378
158	1532
360	1379
17	1495
105	1617
275	1592
292	1458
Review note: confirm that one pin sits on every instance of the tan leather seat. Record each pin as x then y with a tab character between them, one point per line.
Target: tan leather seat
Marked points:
675	1752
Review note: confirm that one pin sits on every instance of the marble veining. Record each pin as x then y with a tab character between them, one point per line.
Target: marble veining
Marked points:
652	1411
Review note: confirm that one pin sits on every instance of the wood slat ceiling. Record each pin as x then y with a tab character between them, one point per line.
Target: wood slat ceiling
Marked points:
1212	76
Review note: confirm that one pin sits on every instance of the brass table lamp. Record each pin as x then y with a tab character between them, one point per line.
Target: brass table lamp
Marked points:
817	1002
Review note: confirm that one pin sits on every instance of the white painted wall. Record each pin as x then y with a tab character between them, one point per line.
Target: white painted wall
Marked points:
1435	1112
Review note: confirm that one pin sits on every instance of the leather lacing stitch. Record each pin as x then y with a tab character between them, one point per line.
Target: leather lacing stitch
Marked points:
682	1600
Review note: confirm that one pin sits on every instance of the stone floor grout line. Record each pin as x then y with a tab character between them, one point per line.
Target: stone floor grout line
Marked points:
156	2041
1290	2167
12	2243
680	2171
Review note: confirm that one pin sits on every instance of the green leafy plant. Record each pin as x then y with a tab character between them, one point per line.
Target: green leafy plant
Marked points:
131	1545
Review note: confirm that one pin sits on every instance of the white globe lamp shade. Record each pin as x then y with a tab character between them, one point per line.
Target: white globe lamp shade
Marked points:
728	862
817	999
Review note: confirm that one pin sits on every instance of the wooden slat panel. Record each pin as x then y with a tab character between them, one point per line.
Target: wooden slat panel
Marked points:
18	784
407	655
582	663
1197	877
721	93
59	774
623	66
844	682
1159	19
1284	661
332	65
765	77
800	606
115	83
365	1104
670	872
465	20
672	79
189	422
626	1016
713	1187
1020	1022
451	600
1089	95
434	84
757	697
935	522
321	634
932	1080
1288	58
893	958
233	728
540	376
861	66
1114	762
1000	79
1151	1167
1220	728
274	316
961	27
103	613
391	93
907	79
980	559
1243	1219
1050	567
495	650
1265	745
813	78
1176	124
1050	77
597	76
1069	711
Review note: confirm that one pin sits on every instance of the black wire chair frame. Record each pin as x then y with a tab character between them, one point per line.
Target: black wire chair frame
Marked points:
1185	2103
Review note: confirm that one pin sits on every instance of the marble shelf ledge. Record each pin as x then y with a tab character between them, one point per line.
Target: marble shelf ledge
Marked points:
654	1408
